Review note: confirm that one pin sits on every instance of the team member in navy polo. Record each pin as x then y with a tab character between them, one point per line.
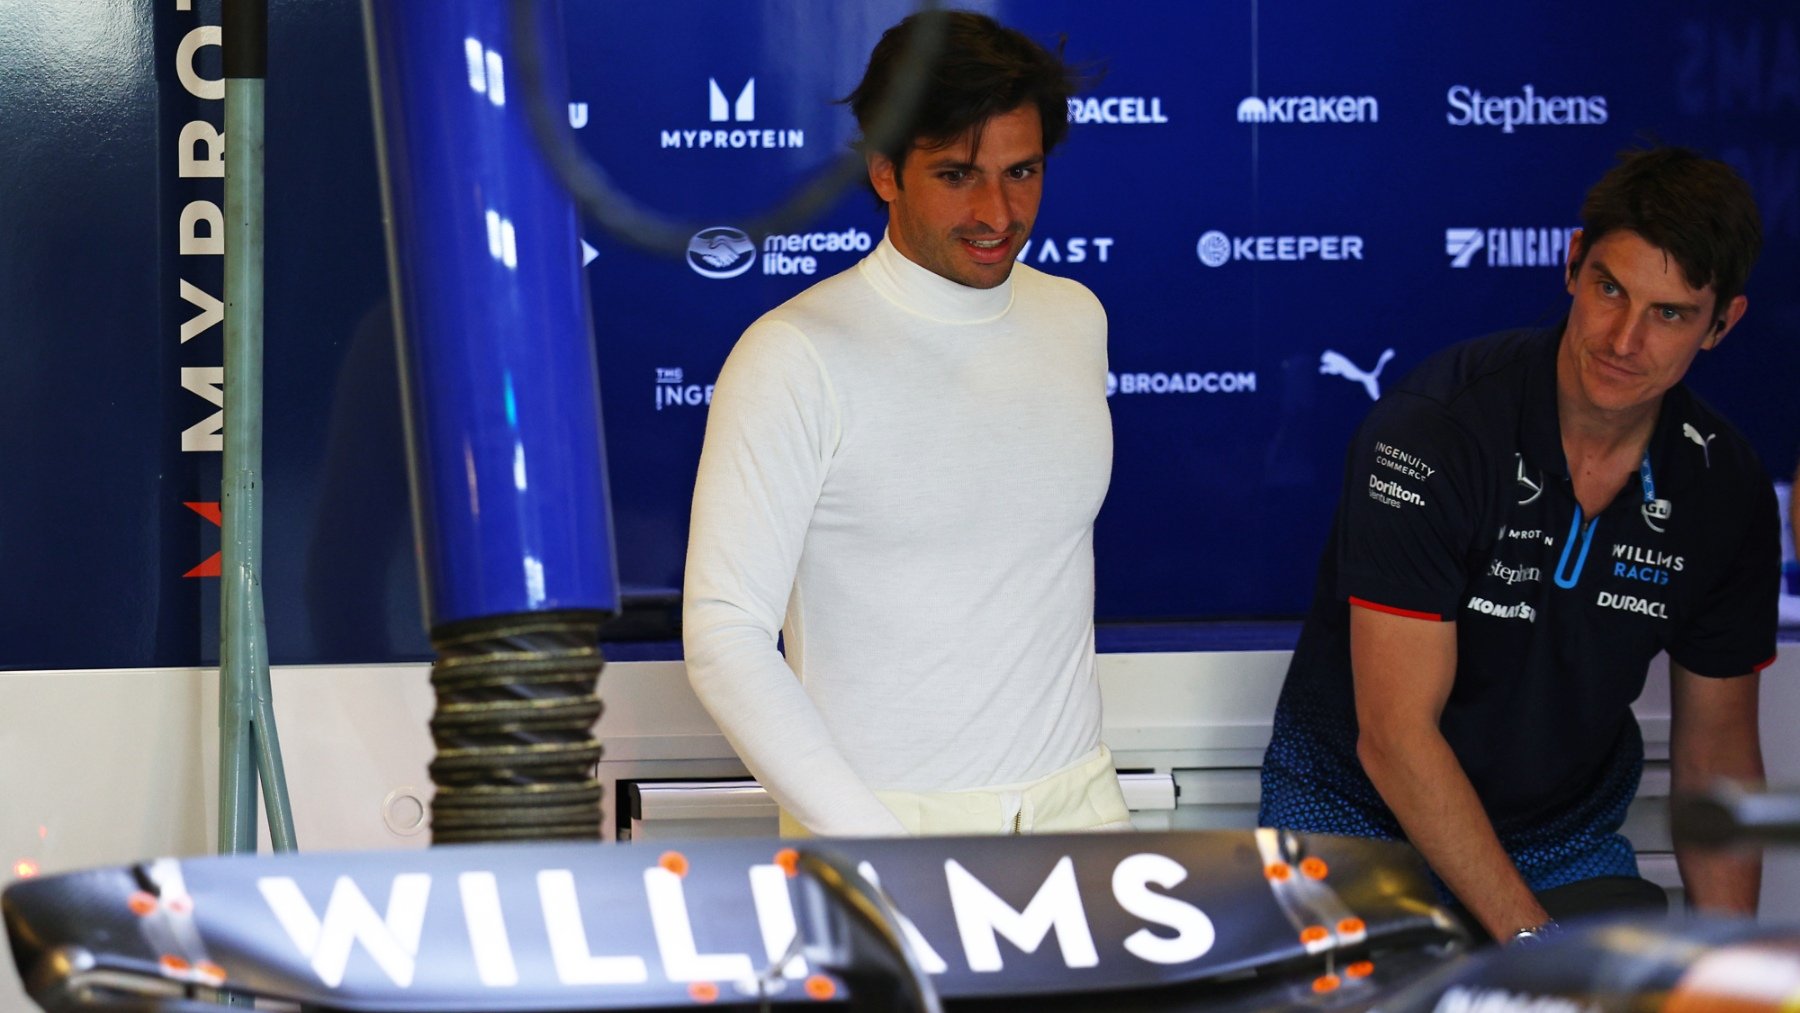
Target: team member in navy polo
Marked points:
1526	521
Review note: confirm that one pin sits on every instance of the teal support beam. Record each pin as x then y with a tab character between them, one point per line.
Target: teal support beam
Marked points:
249	747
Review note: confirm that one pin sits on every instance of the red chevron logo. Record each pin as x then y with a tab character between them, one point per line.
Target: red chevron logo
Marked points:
212	566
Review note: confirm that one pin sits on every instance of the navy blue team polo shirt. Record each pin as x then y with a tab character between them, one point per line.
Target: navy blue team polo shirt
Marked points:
1458	507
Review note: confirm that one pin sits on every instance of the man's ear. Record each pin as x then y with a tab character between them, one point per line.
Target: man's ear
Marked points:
1573	264
884	176
1724	322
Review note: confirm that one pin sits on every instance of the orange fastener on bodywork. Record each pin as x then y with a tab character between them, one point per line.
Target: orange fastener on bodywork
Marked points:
789	860
1314	868
1351	926
1360	969
1326	983
675	862
142	904
1278	871
174	964
210	970
1313	933
820	987
703	991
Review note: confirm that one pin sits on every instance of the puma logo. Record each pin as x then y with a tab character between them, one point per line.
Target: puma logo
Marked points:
1688	430
1334	364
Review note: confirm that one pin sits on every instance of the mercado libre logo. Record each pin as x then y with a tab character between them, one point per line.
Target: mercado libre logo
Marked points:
726	252
721	252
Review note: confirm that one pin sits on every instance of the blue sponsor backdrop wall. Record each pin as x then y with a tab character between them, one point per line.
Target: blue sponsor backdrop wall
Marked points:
1272	200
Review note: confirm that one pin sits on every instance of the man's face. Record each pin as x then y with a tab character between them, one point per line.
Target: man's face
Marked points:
965	215
1635	325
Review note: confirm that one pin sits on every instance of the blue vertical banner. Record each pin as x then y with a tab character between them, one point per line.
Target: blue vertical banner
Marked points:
1281	215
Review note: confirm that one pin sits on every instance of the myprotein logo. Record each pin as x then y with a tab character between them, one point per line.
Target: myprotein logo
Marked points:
1117	110
1216	249
743	110
1470	108
198	241
1310	109
673	390
736	106
724	252
1508	246
1212	382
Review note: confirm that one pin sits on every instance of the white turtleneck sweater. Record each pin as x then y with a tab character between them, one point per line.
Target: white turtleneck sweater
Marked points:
901	475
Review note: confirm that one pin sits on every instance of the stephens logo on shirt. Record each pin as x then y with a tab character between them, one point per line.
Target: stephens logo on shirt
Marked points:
1514	574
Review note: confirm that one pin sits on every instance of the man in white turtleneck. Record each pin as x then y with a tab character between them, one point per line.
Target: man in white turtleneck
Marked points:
901	473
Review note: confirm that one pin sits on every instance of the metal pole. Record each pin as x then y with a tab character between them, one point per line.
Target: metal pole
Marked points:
247	739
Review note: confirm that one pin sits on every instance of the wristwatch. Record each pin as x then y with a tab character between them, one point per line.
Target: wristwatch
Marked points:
1536	933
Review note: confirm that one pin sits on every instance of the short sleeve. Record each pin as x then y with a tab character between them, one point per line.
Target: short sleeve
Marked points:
1732	631
1409	515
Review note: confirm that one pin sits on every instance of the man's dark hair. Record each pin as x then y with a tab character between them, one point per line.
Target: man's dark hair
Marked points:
981	69
1691	207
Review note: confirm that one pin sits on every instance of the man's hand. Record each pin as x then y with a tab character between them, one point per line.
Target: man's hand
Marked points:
1404	669
1712	735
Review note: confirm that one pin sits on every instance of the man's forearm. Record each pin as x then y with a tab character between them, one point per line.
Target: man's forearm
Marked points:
1727	881
1714	734
1421	781
773	726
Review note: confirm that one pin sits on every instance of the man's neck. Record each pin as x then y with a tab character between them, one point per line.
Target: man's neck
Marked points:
1602	448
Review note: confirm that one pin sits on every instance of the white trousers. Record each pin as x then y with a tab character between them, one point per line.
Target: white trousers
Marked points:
1081	796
